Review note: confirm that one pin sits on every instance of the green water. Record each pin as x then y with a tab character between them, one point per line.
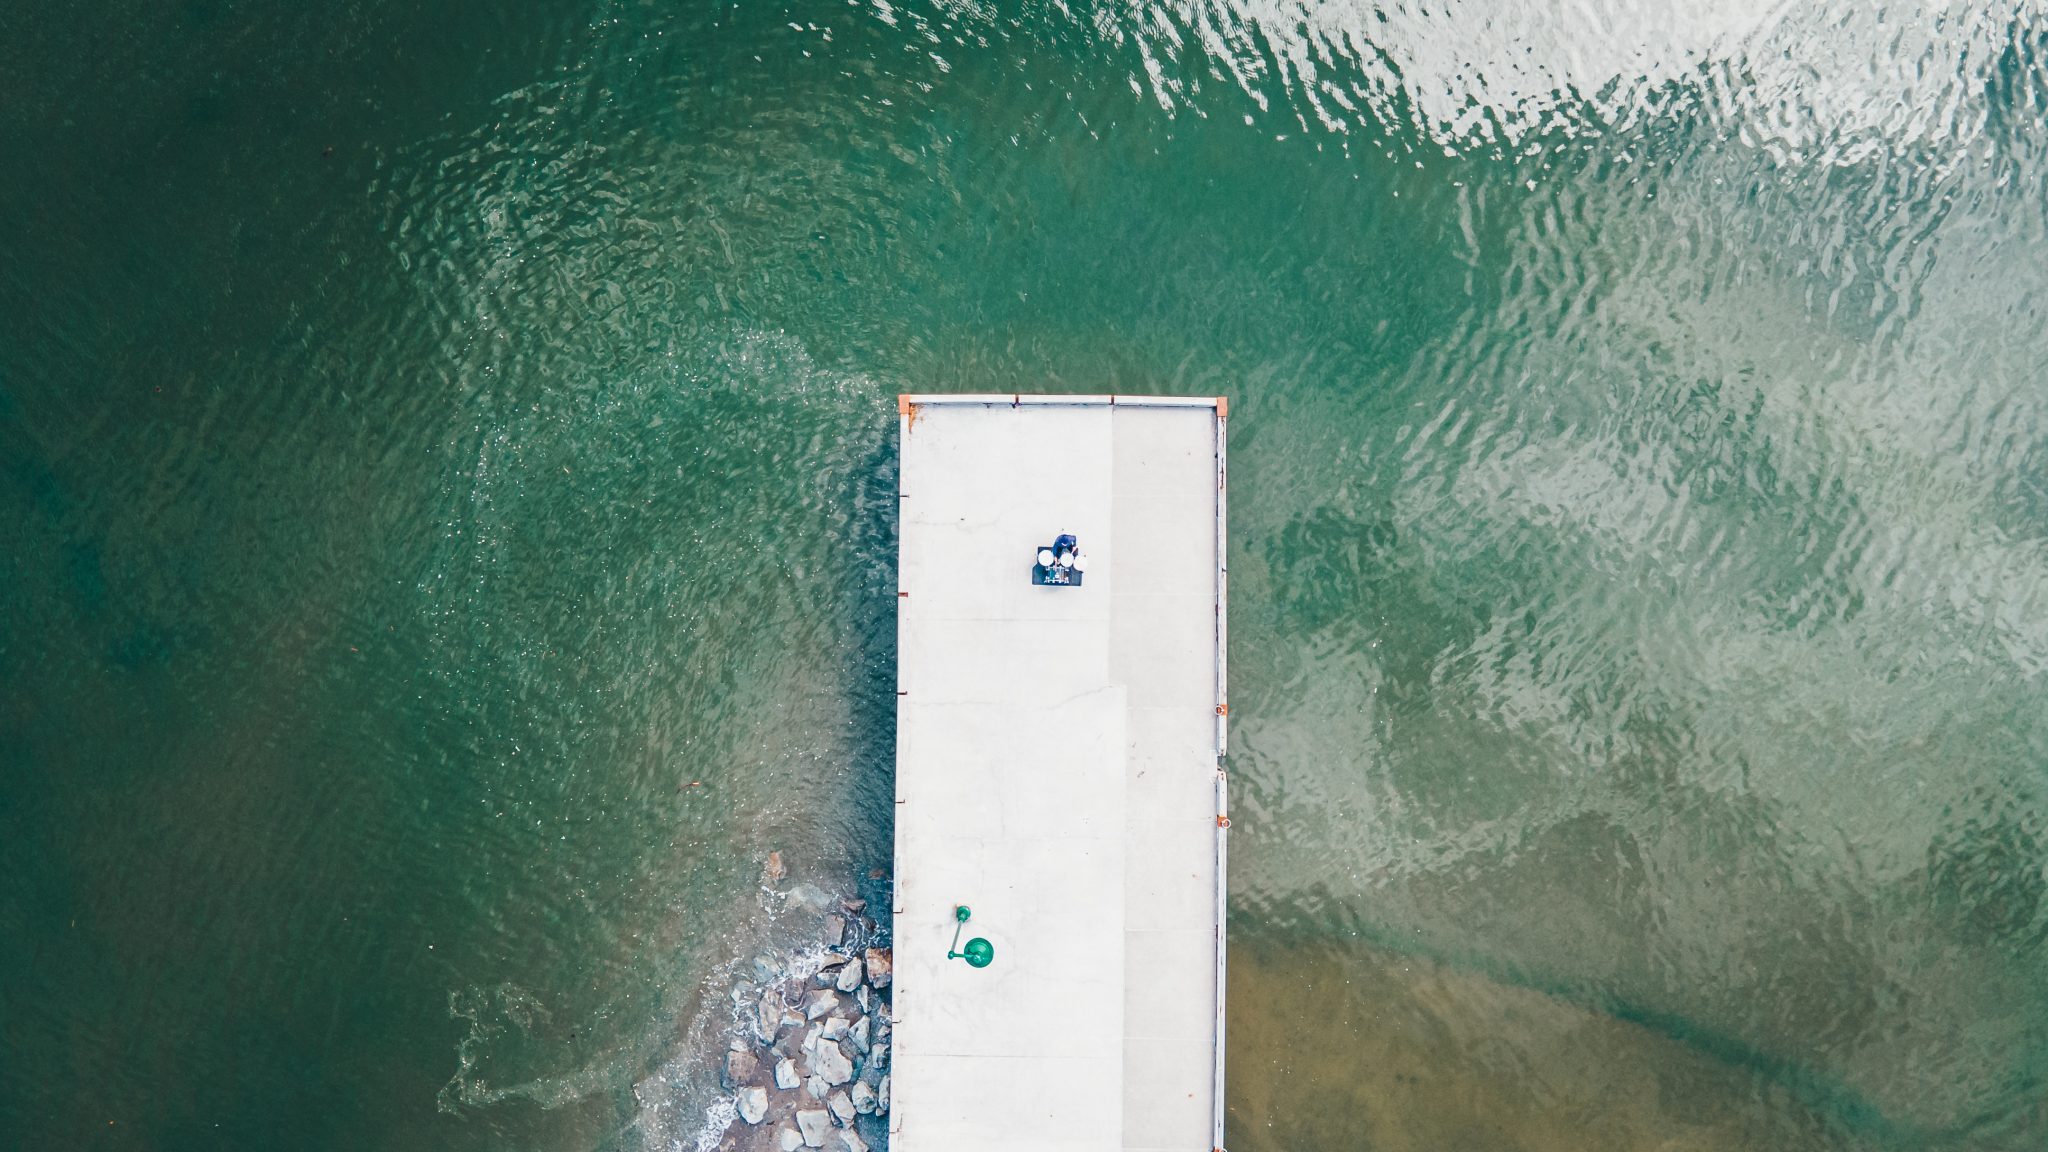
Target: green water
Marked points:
432	437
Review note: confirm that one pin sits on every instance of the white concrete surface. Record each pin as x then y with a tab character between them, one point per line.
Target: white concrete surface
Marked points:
1057	753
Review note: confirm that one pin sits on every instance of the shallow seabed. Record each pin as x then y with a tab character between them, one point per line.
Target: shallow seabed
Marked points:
447	471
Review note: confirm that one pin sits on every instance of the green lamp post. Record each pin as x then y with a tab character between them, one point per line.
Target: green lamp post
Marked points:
979	952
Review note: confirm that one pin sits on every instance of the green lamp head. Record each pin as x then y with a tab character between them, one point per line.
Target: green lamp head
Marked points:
979	952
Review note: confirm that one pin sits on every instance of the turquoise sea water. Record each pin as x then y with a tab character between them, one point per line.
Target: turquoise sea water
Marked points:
433	437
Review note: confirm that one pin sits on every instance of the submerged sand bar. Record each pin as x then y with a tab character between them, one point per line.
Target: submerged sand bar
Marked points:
1058	770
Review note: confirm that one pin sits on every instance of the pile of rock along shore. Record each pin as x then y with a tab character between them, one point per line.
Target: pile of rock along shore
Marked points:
809	1067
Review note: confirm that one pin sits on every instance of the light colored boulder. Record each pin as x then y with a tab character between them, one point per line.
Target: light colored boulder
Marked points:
850	976
832	1063
835	1027
817	1087
879	967
858	1034
882	1096
820	1003
788	1139
754	1105
841	1107
850	1141
814	1123
863	1098
785	1074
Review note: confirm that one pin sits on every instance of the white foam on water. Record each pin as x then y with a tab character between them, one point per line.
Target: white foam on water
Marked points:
717	1118
682	1105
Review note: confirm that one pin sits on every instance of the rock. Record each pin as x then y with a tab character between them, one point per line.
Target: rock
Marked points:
788	1139
882	1096
858	1034
835	1027
863	1098
832	1063
810	896
835	930
841	1108
865	999
820	1002
878	963
817	1087
879	1058
850	1141
785	1074
854	906
766	1014
850	976
741	1068
814	1123
754	1105
773	871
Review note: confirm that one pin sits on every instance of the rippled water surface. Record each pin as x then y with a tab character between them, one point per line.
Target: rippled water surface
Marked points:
447	470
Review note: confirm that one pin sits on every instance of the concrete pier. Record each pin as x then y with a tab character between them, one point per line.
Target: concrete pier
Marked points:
1058	770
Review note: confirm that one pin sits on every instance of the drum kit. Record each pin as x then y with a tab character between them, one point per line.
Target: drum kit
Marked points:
1060	564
